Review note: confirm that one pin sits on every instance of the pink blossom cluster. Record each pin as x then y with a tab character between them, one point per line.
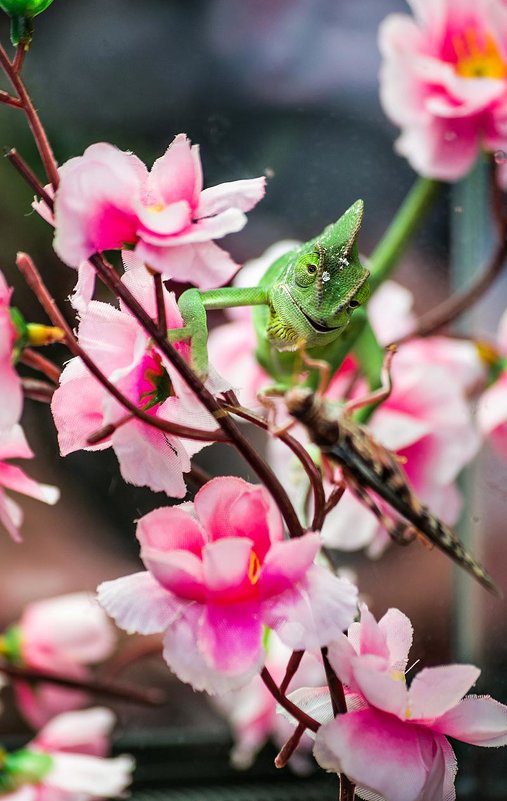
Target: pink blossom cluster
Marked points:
392	741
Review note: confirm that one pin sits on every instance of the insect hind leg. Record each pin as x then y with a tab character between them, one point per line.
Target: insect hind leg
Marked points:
400	532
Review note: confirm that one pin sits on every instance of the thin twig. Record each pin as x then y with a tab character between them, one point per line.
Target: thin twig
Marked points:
35	282
39	362
290	746
339	708
124	691
198	476
24	170
9	100
291	669
292	709
159	297
17	64
39	134
302	454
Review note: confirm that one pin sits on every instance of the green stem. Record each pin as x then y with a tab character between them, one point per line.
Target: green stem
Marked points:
395	239
370	355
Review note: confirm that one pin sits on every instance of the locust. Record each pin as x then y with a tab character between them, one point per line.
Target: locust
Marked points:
369	467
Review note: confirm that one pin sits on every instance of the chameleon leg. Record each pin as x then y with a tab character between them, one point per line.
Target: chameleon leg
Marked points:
399	531
195	329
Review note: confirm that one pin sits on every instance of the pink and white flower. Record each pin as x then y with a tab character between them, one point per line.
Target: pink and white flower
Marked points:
126	355
58	635
392	741
492	406
218	570
107	200
444	82
76	744
13	445
10	385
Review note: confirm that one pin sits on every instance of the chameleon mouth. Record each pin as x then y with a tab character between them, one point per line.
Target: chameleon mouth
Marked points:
321	329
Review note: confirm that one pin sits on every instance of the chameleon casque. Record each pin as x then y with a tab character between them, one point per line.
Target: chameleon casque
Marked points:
304	300
369	466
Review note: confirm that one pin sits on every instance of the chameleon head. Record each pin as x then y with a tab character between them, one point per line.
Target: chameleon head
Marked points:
321	285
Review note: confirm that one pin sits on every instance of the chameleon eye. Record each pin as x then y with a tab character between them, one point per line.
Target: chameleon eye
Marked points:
311	269
306	270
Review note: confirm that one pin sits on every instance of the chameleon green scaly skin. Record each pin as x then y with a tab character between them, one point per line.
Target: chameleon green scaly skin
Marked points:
304	300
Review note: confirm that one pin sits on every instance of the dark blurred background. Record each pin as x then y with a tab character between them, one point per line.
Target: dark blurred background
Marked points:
286	88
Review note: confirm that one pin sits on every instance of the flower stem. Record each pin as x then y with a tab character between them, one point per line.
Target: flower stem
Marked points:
409	215
292	709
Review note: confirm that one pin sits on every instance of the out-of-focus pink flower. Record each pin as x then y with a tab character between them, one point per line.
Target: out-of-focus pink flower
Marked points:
492	407
251	710
10	385
61	635
124	352
444	82
218	571
76	743
232	346
107	200
393	739
13	445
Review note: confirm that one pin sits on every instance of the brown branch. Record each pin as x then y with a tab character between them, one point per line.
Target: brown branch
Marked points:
339	708
39	362
290	746
36	284
24	170
306	720
302	454
198	476
9	100
19	58
121	690
291	670
159	297
39	134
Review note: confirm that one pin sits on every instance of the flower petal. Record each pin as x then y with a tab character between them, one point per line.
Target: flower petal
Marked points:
477	720
138	603
437	690
242	195
287	563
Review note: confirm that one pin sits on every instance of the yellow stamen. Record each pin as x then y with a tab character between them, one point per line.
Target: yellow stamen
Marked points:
487	352
398	675
39	334
156	207
478	59
254	568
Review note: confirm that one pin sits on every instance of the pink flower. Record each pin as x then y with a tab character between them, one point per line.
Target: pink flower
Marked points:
10	385
251	710
125	354
392	740
444	82
232	346
74	745
107	200
61	635
218	571
492	407
13	445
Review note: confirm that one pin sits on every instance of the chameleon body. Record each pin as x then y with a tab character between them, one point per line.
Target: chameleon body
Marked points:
368	465
304	300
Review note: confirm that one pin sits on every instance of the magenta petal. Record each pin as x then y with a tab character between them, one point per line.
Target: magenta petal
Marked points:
12	395
77	409
139	604
398	631
314	612
231	637
379	688
437	690
287	563
13	444
341	654
371	637
205	264
242	195
166	222
14	478
476	720
378	752
227	567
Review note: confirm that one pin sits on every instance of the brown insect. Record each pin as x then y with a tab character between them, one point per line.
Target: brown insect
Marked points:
368	466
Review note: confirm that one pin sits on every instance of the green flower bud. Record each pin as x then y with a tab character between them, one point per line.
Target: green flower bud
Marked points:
22	13
23	767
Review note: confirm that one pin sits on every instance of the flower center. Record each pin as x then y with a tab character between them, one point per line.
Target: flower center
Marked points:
254	568
156	207
156	385
478	56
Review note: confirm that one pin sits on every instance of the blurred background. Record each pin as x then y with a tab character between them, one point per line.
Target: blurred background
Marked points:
285	88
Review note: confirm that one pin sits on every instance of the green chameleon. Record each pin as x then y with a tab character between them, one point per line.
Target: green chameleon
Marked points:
304	300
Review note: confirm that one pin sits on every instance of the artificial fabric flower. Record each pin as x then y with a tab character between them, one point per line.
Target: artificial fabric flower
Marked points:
13	445
107	200
65	761
126	355
61	635
10	384
218	571
444	82
492	406
392	742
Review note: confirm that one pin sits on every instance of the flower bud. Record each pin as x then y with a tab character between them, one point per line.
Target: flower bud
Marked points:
21	13
38	334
